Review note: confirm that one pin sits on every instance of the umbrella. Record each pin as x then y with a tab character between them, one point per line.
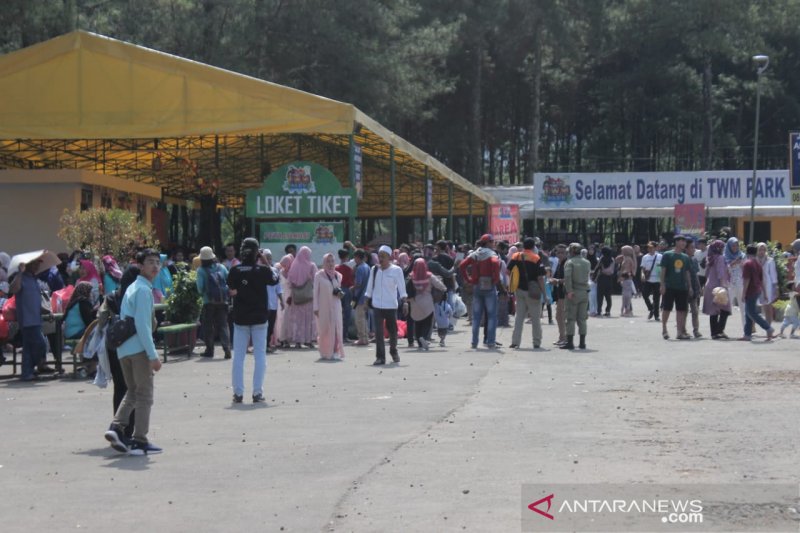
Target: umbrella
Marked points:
49	260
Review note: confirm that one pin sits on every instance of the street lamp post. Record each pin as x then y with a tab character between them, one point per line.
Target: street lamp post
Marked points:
763	62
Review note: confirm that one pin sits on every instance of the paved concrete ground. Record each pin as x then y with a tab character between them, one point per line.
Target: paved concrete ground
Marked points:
441	442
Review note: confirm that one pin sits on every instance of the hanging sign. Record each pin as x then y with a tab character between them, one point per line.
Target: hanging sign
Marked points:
504	222
356	166
301	190
794	166
690	219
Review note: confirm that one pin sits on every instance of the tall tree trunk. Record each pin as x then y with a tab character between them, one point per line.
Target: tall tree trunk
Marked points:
708	116
474	151
536	96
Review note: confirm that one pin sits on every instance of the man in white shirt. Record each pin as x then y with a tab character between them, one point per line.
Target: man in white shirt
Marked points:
652	282
385	285
700	254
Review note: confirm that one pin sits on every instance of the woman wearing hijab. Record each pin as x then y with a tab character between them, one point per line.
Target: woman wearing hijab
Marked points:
627	271
422	304
5	261
717	277
770	282
88	273
605	279
281	325
734	259
328	309
162	284
80	312
300	316
111	276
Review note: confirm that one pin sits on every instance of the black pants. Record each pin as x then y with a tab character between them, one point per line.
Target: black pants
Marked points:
605	284
654	290
422	328
120	388
215	322
718	322
389	317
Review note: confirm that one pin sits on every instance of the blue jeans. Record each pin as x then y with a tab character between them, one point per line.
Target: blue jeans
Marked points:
34	350
484	300
241	336
753	314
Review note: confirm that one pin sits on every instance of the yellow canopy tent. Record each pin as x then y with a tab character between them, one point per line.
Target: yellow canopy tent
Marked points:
82	100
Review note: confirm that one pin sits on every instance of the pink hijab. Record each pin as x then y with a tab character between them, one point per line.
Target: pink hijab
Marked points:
111	267
403	261
286	263
329	265
303	268
91	271
420	275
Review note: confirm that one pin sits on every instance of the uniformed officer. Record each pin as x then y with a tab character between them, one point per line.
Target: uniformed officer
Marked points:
576	283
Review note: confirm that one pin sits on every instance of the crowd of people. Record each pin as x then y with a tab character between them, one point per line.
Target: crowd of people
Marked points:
254	304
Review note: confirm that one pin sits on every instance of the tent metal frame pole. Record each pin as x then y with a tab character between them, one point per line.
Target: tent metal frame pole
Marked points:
351	221
470	231
392	193
450	210
426	223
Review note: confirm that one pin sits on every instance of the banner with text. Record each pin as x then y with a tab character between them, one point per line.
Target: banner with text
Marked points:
729	188
690	219
301	190
504	222
321	237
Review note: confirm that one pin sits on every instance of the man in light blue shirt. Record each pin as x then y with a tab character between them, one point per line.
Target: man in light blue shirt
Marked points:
139	361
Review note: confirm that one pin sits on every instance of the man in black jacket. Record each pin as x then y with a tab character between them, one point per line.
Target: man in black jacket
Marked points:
248	285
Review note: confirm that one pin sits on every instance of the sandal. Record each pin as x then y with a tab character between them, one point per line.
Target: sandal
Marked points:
684	337
665	335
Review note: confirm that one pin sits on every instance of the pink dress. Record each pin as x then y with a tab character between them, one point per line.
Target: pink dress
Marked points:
329	321
299	321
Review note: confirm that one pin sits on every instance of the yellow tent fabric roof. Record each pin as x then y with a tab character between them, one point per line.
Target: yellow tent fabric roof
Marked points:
86	86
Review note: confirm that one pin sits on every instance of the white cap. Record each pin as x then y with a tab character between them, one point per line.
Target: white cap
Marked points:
206	253
385	249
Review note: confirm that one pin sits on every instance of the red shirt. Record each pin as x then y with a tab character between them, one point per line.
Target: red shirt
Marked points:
753	272
348	278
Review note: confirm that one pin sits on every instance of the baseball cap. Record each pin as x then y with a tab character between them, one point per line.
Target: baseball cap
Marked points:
486	237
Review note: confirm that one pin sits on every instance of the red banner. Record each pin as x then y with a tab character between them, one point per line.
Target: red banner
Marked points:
690	219
504	222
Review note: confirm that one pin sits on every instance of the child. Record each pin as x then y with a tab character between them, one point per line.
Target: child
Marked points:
792	313
442	313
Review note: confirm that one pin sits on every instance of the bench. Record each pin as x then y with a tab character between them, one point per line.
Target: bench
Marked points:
178	338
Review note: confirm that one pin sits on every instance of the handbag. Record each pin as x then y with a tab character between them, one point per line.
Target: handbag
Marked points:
720	296
119	330
303	294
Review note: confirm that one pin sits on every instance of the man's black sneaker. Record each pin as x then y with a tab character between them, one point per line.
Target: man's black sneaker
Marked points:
379	362
116	438
395	358
258	398
238	398
227	355
148	448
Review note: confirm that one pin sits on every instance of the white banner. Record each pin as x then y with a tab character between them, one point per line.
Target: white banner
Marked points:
727	188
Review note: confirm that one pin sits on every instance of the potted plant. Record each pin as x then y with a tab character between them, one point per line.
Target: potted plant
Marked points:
184	304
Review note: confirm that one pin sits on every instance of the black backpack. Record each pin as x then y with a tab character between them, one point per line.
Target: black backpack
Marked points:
216	286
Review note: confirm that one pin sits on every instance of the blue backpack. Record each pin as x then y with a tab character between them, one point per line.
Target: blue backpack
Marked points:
216	286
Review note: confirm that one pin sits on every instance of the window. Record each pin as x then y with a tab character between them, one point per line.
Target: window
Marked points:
86	198
762	233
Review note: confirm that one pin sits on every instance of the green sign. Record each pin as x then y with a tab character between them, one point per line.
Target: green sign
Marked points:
301	190
321	237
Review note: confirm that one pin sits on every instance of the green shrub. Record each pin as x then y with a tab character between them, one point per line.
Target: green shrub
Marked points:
184	302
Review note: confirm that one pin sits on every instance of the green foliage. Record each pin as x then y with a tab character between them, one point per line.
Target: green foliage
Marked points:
103	231
623	84
184	302
780	265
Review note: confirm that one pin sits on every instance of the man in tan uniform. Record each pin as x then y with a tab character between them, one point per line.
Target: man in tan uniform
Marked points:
576	284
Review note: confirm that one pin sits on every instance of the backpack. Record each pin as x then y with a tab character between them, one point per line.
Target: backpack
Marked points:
216	286
438	294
